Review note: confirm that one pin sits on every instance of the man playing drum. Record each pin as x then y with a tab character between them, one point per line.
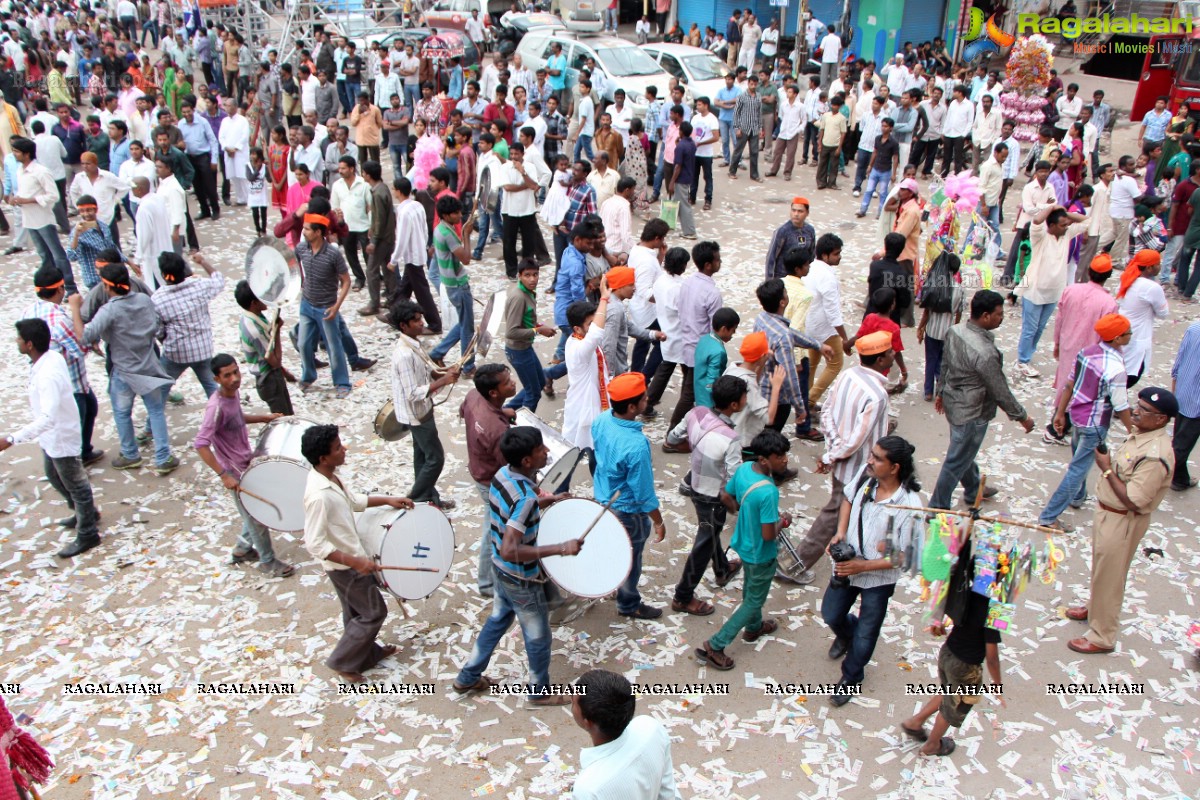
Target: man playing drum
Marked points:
224	445
330	535
623	463
521	588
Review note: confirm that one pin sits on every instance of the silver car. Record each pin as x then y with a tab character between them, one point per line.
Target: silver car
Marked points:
700	72
625	64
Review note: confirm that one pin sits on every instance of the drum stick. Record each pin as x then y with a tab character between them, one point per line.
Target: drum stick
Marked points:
261	499
596	521
409	569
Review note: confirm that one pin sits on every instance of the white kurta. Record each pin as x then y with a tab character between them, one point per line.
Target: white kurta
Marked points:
583	393
235	133
153	237
1142	304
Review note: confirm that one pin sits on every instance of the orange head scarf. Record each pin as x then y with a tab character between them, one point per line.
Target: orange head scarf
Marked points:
1133	270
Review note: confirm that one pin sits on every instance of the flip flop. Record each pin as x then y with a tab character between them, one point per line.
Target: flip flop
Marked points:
696	607
715	658
921	735
945	747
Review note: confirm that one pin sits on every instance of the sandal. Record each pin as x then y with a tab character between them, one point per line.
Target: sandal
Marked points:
920	734
714	658
696	607
550	700
735	566
768	627
945	747
482	685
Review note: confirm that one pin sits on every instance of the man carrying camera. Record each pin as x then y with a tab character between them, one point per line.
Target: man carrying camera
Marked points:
868	552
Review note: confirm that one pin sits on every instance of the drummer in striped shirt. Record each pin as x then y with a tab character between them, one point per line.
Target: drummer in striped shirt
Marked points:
521	588
224	445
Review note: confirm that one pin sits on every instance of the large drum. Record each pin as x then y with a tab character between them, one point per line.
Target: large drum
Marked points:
421	537
273	271
387	427
278	473
563	458
606	558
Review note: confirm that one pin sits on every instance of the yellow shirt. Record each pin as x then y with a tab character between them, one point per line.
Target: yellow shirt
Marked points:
799	300
329	519
833	126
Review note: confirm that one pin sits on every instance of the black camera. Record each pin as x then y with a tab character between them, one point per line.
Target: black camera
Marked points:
841	551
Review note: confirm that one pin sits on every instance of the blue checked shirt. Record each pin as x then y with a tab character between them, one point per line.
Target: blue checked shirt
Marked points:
582	199
513	503
1100	386
198	138
86	248
783	340
62	339
623	462
1186	372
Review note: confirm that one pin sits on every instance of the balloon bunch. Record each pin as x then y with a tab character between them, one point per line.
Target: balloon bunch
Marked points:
963	189
1029	64
1026	111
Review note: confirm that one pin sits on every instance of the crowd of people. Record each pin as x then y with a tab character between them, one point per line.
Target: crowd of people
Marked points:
496	158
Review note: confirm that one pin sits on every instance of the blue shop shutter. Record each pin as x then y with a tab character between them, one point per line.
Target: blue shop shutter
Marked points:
923	21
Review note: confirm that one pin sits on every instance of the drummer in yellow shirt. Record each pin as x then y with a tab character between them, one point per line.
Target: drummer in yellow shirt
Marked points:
331	536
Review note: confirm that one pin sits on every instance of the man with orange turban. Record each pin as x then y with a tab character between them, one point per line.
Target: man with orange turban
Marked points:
623	464
619	324
1081	305
1142	299
1096	393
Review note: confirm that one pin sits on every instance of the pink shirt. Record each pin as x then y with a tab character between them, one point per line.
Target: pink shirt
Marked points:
297	196
670	138
1082	304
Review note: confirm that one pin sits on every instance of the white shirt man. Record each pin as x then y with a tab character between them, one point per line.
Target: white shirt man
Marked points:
308	94
1068	112
310	156
897	75
985	131
646	270
153	235
412	235
704	127
143	168
538	123
107	189
636	764
475	30
55	423
825	313
617	215
792	117
831	49
960	115
234	135
50	154
34	181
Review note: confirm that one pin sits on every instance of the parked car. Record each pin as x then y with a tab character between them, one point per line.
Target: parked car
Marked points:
700	72
509	33
627	66
455	13
416	36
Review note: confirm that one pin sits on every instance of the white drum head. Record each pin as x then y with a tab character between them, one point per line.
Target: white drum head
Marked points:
281	481
606	558
272	275
555	474
422	537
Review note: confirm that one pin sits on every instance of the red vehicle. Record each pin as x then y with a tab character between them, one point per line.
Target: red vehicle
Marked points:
1171	69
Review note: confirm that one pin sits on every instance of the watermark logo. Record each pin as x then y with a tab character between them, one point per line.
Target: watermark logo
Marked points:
984	37
1074	27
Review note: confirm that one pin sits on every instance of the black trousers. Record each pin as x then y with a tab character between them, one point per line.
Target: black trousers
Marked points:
88	409
369	152
378	274
923	154
687	397
528	229
704	166
1187	432
273	390
357	240
706	548
658	384
60	208
414	281
954	149
205	184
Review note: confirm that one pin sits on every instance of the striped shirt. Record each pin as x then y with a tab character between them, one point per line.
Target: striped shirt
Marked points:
581	199
875	516
783	341
1099	388
412	372
1186	372
716	449
186	330
254	333
320	273
62	339
513	503
854	418
450	269
747	114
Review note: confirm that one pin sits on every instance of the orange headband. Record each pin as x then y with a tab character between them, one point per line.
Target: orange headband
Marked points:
86	205
316	219
51	286
107	282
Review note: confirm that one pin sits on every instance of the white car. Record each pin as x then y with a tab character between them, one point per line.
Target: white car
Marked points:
625	64
700	72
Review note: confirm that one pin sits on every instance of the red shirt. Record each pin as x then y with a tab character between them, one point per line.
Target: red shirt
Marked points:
1183	209
485	424
492	111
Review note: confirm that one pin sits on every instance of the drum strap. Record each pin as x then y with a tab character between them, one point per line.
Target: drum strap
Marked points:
745	494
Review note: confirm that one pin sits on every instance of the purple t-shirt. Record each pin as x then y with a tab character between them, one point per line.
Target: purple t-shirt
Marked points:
223	430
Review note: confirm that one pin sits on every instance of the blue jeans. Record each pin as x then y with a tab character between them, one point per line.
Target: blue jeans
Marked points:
861	159
411	95
726	137
1073	487
464	329
490	227
50	249
556	371
933	361
879	179
960	466
312	319
638	527
201	369
399	155
1034	318
352	90
485	573
121	395
528	367
861	632
583	145
1187	276
254	534
529	604
150	26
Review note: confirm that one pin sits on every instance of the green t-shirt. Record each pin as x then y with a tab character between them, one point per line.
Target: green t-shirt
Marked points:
500	148
445	242
711	360
758	507
766	90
